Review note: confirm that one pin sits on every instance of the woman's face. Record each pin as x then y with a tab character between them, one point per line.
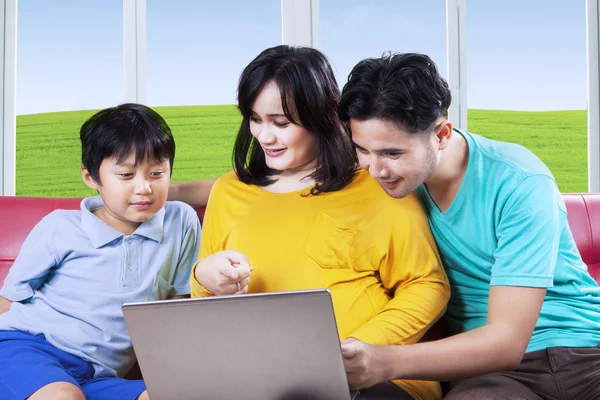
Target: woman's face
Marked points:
288	147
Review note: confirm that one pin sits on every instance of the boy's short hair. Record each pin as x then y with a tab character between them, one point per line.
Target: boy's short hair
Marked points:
117	131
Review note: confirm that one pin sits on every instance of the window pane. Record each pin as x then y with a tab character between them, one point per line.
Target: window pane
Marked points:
196	52
355	29
537	62
69	57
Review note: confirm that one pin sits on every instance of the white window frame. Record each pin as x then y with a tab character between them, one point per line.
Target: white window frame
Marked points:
456	49
135	51
300	22
593	93
8	72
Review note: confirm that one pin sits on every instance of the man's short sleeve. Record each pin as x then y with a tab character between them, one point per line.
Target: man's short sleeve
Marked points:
528	234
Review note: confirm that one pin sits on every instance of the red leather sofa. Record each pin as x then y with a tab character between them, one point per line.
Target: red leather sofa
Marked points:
18	215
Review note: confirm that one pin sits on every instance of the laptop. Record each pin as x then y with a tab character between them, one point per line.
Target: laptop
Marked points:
272	346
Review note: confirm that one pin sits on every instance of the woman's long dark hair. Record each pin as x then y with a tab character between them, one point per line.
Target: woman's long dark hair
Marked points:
310	97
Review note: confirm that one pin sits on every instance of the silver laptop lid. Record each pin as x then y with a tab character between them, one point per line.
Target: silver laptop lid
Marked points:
261	346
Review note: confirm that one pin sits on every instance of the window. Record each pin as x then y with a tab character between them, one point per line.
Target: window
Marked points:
69	57
196	53
527	80
351	30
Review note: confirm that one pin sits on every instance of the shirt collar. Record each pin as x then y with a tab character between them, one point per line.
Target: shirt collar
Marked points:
101	234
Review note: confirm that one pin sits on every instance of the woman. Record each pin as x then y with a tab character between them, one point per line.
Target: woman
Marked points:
297	209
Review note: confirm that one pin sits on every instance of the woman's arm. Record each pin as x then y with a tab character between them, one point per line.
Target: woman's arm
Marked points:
218	271
413	275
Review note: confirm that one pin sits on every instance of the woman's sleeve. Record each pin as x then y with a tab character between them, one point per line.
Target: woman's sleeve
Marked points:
412	273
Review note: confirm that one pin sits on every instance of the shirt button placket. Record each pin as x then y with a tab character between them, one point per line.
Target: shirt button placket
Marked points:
128	252
125	264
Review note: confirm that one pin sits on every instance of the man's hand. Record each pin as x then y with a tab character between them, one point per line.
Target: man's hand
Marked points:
224	273
363	364
195	193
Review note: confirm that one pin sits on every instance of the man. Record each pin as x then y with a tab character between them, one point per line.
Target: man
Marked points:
524	309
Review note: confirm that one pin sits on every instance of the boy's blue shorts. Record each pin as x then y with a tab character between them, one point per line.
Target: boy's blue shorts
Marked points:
27	363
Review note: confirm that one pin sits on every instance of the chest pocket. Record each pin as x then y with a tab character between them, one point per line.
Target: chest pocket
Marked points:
161	289
329	243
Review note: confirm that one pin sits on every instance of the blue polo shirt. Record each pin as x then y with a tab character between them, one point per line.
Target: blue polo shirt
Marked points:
74	273
507	226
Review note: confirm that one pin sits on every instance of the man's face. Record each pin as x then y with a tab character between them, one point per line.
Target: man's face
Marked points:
400	161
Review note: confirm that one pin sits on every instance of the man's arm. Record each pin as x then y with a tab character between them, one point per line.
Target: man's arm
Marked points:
497	346
194	193
4	305
528	239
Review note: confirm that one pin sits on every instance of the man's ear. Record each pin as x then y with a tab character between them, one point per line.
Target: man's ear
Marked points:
88	180
444	134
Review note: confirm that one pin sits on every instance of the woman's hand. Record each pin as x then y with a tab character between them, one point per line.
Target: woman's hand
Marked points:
224	273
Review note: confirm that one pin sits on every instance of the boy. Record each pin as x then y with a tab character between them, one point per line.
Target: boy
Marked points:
62	332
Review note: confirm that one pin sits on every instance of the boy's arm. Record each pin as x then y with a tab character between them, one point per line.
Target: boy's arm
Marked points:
194	193
4	304
188	256
413	273
36	257
528	240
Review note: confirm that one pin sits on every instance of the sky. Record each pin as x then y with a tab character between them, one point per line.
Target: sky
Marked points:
521	54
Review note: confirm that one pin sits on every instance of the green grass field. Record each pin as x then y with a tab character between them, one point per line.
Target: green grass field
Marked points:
48	148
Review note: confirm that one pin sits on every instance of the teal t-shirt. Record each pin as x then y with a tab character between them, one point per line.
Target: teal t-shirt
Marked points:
508	226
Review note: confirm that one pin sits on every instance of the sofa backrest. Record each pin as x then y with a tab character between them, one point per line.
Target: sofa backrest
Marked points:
583	214
18	215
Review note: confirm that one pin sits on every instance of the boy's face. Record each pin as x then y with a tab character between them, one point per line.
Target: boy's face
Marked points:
398	160
131	194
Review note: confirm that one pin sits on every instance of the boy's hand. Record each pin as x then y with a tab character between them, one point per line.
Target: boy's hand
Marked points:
224	273
4	304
